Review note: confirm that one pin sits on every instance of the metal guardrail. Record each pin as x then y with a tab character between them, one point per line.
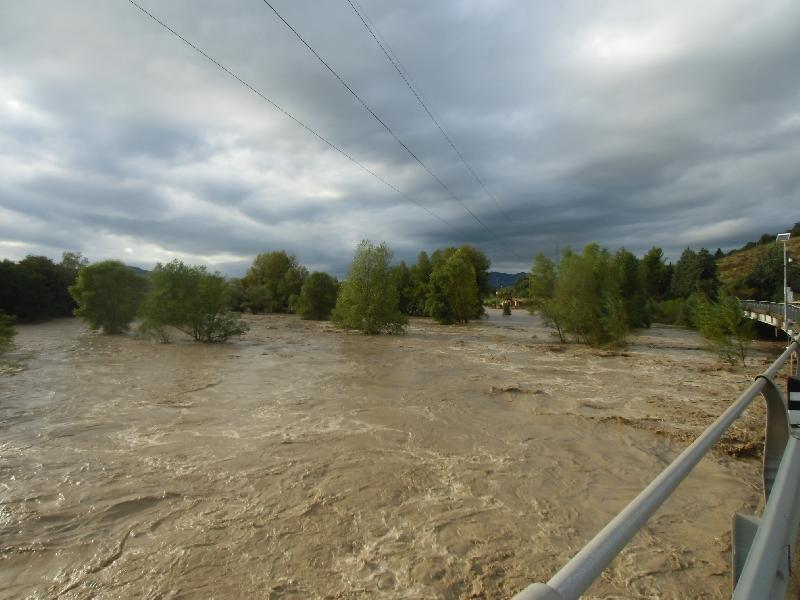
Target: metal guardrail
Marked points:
773	309
762	548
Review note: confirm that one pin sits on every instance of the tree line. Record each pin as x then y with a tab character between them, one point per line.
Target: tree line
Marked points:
596	297
593	296
376	297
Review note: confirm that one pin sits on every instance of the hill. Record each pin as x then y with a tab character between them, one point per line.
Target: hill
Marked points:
736	266
500	280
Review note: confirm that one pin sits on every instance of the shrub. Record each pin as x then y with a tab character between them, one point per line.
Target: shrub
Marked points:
108	294
724	328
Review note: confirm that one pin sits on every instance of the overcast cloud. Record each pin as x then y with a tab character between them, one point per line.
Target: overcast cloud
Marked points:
628	123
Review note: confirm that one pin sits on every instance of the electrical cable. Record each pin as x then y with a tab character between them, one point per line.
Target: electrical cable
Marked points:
292	117
379	120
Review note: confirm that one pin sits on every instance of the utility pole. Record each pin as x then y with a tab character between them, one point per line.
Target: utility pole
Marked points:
784	237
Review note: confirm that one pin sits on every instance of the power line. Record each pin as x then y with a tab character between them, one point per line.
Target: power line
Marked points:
406	77
291	116
379	120
396	64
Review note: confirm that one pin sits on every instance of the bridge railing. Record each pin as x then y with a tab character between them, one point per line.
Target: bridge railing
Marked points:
761	548
774	309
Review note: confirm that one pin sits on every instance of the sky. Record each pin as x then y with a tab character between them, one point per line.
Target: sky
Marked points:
629	124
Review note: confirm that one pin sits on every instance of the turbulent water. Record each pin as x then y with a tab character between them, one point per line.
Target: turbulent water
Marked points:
303	462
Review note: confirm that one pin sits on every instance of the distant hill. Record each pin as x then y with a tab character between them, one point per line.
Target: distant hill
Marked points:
737	265
138	270
500	280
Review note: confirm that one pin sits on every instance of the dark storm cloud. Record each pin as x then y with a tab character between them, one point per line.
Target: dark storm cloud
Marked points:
670	124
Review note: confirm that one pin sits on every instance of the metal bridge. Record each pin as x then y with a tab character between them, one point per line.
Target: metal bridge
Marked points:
772	313
763	548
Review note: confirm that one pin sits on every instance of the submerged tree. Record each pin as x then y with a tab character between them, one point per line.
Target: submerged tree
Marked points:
192	300
368	300
544	276
108	294
587	298
453	295
317	296
273	282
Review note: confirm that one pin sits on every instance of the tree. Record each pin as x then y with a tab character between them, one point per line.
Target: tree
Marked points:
655	274
192	300
542	281
273	282
542	289
317	297
368	300
632	289
766	280
695	272
726	331
479	262
453	295
7	332
417	294
108	294
236	294
587	298
405	287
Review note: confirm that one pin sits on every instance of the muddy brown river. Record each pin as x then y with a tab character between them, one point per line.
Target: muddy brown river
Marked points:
304	462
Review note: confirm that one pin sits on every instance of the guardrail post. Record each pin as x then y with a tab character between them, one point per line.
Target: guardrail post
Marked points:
776	432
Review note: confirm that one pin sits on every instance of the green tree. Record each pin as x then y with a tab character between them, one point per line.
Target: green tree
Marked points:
317	297
632	289
7	332
236	294
695	272
405	287
192	300
453	295
368	299
479	262
273	282
542	281
766	280
724	328
417	295
544	276
587	297
108	294
655	274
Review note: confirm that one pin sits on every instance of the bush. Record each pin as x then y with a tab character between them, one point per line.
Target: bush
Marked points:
317	297
7	332
726	331
670	312
191	300
368	300
108	294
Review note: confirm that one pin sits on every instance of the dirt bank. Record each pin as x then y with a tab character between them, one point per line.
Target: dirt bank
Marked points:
303	462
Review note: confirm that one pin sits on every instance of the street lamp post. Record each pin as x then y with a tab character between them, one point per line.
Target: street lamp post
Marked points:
784	237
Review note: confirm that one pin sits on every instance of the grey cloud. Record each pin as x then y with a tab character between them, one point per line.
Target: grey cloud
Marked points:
143	139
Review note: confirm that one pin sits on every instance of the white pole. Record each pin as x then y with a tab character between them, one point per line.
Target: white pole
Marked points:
785	295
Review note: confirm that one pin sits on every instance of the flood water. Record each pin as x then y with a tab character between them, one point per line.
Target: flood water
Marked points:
304	462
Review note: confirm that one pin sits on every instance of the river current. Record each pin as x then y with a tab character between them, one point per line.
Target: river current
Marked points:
304	462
